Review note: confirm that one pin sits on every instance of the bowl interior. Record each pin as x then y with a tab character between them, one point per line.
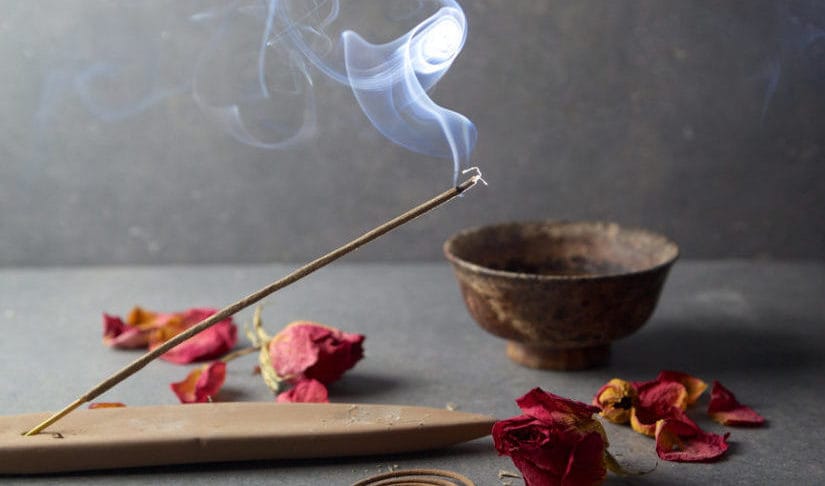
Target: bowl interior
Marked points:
562	249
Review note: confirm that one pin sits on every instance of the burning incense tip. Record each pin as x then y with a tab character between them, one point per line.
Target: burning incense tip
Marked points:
477	177
255	297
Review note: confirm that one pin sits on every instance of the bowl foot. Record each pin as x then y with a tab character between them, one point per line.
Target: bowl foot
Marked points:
558	359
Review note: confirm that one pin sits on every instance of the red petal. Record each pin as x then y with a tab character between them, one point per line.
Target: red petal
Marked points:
552	409
294	350
694	386
193	316
658	397
725	409
680	441
201	384
586	463
305	391
117	334
209	344
657	400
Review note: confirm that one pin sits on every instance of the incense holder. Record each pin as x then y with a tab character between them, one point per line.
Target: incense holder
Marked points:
560	292
232	431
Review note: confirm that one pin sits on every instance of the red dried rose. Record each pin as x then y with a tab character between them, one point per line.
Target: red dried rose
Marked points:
725	409
305	391
555	442
681	441
201	384
307	350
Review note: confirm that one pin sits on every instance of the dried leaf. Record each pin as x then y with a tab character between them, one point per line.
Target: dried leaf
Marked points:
270	377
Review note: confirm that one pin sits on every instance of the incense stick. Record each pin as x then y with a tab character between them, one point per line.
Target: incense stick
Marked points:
255	297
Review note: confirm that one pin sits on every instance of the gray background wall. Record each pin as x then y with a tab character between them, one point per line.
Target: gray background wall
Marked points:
700	119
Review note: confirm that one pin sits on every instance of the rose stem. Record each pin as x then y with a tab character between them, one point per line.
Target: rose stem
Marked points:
245	302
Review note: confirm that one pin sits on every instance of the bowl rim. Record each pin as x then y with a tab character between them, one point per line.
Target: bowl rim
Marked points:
474	267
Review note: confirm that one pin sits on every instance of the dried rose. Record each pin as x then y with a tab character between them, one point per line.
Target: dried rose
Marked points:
681	441
307	350
95	405
694	386
616	399
657	400
555	442
201	384
725	409
305	391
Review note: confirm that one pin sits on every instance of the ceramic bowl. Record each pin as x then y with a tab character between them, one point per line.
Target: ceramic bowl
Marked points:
560	292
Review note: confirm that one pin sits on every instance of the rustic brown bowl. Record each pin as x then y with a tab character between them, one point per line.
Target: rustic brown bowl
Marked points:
560	292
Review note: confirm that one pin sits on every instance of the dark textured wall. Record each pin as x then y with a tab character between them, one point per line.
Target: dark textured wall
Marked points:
700	119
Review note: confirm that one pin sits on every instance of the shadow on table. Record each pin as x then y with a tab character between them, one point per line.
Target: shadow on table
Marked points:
714	345
356	386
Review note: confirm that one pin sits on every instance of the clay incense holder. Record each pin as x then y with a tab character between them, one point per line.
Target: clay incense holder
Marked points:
185	434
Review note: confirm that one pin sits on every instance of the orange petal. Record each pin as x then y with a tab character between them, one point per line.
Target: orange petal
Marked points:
645	425
616	399
141	318
106	405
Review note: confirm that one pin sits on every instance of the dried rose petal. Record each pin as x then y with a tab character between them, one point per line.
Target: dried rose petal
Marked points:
644	421
557	441
146	328
694	386
685	442
550	408
305	391
212	343
616	399
201	384
307	350
117	334
95	405
657	400
725	409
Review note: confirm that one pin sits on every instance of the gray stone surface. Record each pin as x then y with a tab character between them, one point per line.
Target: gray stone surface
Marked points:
756	327
699	119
